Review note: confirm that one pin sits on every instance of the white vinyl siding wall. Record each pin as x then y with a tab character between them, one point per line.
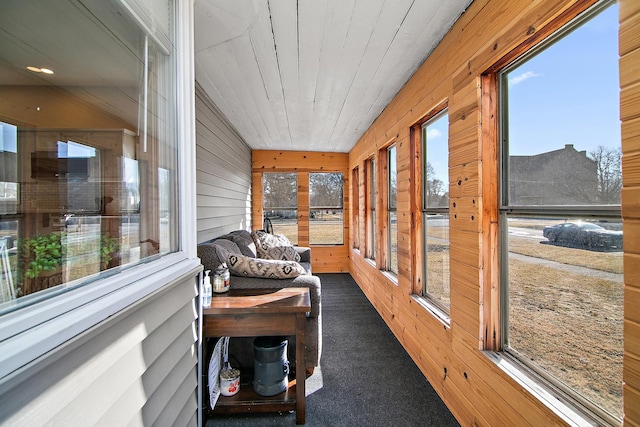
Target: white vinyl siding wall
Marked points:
223	173
136	368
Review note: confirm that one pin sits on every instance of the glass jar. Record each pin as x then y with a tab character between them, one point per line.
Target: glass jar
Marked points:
221	280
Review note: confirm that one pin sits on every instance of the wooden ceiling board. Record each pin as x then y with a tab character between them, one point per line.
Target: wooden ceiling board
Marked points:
262	43
363	22
312	75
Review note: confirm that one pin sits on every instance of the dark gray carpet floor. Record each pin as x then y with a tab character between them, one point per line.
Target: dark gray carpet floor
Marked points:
365	377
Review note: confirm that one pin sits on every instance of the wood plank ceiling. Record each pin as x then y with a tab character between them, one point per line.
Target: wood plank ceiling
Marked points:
312	75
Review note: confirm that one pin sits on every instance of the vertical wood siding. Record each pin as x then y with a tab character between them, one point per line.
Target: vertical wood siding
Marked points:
630	116
136	368
325	259
476	390
223	173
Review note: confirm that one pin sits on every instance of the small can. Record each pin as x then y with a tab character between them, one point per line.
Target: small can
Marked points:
229	382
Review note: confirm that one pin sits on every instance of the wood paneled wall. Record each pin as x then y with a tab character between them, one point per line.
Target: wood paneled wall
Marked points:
325	259
223	175
630	117
469	380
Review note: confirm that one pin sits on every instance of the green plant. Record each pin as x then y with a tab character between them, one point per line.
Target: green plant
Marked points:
41	253
108	245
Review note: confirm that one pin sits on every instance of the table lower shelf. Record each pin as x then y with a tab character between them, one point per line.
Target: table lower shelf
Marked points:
248	401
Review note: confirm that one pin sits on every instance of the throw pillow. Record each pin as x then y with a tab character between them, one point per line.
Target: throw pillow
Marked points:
245	242
241	265
224	248
264	241
284	253
209	256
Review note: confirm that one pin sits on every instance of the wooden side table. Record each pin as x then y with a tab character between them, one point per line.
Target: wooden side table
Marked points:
261	312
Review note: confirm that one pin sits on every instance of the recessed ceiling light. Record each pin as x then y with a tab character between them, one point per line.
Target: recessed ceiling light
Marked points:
40	70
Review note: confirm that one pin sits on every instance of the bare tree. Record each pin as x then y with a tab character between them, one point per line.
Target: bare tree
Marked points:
279	190
326	189
437	195
609	166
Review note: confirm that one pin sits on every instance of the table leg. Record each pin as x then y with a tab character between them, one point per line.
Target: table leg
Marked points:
301	364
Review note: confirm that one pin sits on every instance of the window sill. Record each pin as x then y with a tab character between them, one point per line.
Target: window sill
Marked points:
50	323
569	411
440	315
393	277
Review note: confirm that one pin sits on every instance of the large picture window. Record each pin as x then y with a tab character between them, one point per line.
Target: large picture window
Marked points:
562	277
435	210
326	212
88	147
280	203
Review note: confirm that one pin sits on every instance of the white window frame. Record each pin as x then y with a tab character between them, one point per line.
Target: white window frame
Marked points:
29	333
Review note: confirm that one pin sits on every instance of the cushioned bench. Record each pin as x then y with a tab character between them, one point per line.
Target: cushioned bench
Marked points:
249	270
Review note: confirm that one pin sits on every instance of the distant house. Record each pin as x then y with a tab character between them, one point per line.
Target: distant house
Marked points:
560	177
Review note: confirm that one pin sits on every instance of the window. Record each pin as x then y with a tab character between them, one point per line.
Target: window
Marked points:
355	203
392	212
560	215
280	203
326	213
371	208
435	209
88	175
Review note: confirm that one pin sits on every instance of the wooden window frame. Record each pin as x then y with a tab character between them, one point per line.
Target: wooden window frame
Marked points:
495	288
388	255
417	199
370	208
355	208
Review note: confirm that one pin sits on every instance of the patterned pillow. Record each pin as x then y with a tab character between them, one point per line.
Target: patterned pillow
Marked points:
284	253
264	241
241	265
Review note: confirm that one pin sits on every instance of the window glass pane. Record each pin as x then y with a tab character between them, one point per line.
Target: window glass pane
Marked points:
326	222
563	262
88	147
371	224
280	203
563	121
393	241
392	226
436	281
565	302
393	178
355	203
435	137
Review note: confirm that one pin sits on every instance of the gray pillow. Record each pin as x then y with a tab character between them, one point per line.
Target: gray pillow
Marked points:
245	242
224	248
209	256
241	265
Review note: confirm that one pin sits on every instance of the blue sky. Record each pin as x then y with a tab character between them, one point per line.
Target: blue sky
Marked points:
567	94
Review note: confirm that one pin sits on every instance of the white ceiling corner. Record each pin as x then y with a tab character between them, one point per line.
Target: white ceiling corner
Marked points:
312	75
